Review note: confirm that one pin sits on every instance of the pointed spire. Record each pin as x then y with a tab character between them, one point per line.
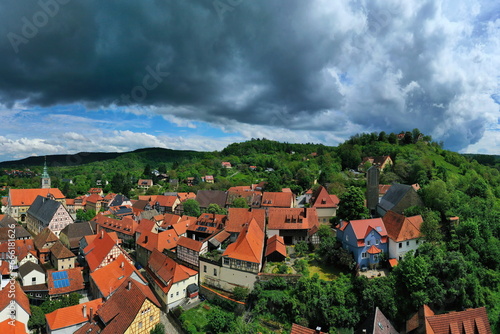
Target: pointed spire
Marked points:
45	170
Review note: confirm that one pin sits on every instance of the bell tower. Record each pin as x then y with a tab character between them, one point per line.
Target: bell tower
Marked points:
45	176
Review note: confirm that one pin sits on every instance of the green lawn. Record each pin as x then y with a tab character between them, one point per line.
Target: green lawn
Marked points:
327	273
195	318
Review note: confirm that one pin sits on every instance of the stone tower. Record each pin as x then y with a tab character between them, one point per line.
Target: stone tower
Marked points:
45	176
372	181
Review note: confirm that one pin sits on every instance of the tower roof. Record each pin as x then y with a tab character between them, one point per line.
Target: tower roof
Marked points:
45	174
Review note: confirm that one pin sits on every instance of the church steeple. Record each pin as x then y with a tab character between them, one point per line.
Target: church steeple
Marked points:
45	176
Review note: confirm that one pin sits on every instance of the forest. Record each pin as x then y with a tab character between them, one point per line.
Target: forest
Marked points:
458	266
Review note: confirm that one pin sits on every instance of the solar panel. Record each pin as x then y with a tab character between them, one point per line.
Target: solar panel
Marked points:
64	283
55	275
63	274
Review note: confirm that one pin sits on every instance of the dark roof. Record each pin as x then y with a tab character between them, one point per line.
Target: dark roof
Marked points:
59	251
28	267
140	204
149	214
20	233
207	197
118	200
394	195
44	237
78	230
7	220
43	209
376	323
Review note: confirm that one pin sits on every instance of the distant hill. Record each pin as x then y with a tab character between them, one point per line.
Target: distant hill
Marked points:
146	155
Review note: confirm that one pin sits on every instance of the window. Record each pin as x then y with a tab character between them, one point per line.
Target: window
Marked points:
151	318
400	245
215	271
407	243
377	241
204	269
346	237
171	295
363	255
416	241
33	280
226	261
140	325
249	265
368	243
177	293
375	257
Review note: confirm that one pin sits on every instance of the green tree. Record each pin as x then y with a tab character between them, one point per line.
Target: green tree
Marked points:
147	171
301	248
85	215
37	318
430	228
352	205
219	321
239	202
214	208
240	293
159	328
436	196
191	208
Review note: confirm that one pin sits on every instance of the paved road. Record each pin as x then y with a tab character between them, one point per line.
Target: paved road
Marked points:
169	326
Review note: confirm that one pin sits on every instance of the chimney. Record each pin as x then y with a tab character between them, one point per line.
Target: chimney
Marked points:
91	315
102	234
122	264
318	330
129	286
84	311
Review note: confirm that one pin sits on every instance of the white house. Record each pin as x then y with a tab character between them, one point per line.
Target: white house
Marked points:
31	274
14	304
403	232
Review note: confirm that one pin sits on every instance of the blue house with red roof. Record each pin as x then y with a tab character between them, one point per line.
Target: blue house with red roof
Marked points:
366	239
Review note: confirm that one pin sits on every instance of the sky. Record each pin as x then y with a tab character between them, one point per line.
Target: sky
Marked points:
201	74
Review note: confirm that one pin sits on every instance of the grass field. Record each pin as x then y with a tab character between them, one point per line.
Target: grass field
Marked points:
196	318
327	273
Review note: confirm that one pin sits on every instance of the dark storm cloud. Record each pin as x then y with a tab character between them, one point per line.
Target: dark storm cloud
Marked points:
309	65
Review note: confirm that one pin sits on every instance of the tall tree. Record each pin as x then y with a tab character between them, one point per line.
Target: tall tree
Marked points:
191	208
352	205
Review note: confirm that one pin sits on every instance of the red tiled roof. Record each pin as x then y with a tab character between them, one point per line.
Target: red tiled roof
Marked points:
186	196
120	310
44	237
26	197
374	250
75	281
5	268
221	236
298	329
145	225
99	249
110	277
165	271
401	228
382	188
6	327
240	189
71	315
249	246
19	296
276	244
70	202
277	199
239	217
94	198
292	219
184	223
24	247
362	227
189	243
393	262
321	199
164	240
145	182
127	225
95	190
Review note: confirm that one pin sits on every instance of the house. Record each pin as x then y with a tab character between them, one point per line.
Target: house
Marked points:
380	162
14	232
166	220
403	232
9	326
474	320
275	249
24	251
103	250
238	218
125	228
209	178
20	200
43	242
88	239
162	204
326	205
13	301
216	241
226	164
61	257
189	250
144	183
70	319
206	225
298	329
398	198
207	197
149	241
240	263
252	198
46	212
70	235
277	200
64	282
293	224
376	323
31	274
366	239
96	191
116	200
141	314
94	202
105	281
169	280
